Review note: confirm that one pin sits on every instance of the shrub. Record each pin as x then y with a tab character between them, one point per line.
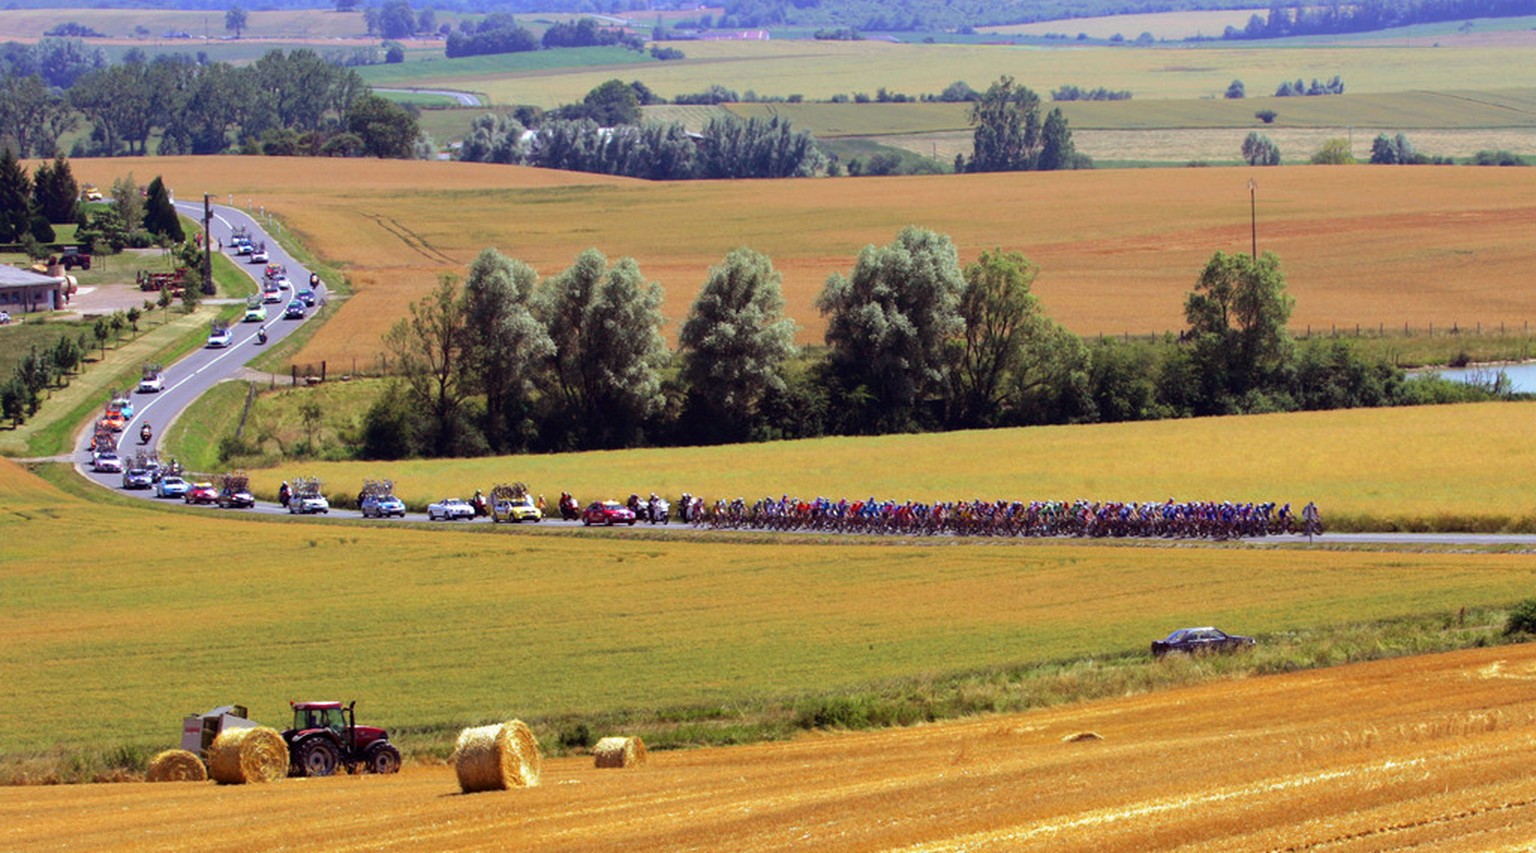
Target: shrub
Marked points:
578	736
1522	619
1266	116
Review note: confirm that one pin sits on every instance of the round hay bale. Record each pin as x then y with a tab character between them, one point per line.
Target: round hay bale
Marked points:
257	754
619	752
497	757
176	765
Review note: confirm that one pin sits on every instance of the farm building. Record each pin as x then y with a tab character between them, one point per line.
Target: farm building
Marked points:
25	291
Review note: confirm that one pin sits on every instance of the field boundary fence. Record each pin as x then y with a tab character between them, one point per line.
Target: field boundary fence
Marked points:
1311	331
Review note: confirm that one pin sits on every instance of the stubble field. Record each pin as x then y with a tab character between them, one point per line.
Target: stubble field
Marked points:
1117	251
1429	753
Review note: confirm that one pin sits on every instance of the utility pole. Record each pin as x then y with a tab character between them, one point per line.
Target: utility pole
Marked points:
207	245
1253	218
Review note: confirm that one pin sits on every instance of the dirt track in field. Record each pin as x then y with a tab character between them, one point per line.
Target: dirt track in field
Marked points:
1429	752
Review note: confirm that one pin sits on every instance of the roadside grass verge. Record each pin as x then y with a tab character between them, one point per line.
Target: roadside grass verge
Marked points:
195	437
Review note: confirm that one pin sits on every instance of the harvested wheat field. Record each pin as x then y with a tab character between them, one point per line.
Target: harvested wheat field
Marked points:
1429	752
1117	250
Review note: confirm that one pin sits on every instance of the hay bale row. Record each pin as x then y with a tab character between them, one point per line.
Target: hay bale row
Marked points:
619	752
176	765
256	754
497	757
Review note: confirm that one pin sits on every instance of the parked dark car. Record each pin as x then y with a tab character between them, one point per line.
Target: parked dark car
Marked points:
1199	640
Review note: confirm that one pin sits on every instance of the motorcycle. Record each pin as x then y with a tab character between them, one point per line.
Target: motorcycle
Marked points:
261	335
481	510
569	509
145	434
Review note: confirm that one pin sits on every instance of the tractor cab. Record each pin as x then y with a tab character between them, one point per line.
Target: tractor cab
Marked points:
308	716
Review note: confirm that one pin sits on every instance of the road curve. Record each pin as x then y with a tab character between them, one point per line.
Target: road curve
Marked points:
465	99
199	371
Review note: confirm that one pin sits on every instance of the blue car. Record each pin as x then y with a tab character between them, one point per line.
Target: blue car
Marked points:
171	487
306	296
295	310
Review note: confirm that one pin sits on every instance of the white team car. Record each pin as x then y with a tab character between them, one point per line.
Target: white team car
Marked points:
449	509
309	505
153	383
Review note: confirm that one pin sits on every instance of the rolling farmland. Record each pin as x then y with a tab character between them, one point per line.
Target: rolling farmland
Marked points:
818	70
438	627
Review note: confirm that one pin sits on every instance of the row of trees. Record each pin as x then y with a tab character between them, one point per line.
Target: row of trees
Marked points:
727	148
1260	150
296	102
914	341
1282	21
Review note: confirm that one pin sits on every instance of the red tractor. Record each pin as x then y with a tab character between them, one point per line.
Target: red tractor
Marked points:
326	735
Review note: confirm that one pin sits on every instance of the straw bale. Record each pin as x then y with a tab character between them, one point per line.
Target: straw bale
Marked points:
176	765
619	752
497	757
257	754
1081	737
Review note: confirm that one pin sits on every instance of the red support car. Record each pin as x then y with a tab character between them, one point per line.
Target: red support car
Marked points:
607	512
201	493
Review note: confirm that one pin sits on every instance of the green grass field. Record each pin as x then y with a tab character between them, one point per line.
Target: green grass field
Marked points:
507	67
431	629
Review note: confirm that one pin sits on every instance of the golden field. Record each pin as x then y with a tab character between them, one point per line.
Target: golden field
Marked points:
1117	250
1402	467
160	611
1427	753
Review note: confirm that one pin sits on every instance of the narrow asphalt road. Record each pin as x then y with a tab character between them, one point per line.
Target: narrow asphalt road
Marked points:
465	99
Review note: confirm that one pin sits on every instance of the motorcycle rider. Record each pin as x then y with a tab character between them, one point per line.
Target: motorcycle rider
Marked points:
261	335
145	433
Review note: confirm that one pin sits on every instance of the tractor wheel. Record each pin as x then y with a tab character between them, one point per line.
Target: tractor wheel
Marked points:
318	757
382	758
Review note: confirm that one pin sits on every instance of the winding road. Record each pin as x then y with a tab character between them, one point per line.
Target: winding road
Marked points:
465	99
197	373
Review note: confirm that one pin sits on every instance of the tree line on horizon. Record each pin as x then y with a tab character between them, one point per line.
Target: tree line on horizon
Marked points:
507	362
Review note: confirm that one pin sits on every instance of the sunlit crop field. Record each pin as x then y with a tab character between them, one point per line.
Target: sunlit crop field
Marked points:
1117	250
1410	111
819	70
1224	146
435	627
1406	466
1423	753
